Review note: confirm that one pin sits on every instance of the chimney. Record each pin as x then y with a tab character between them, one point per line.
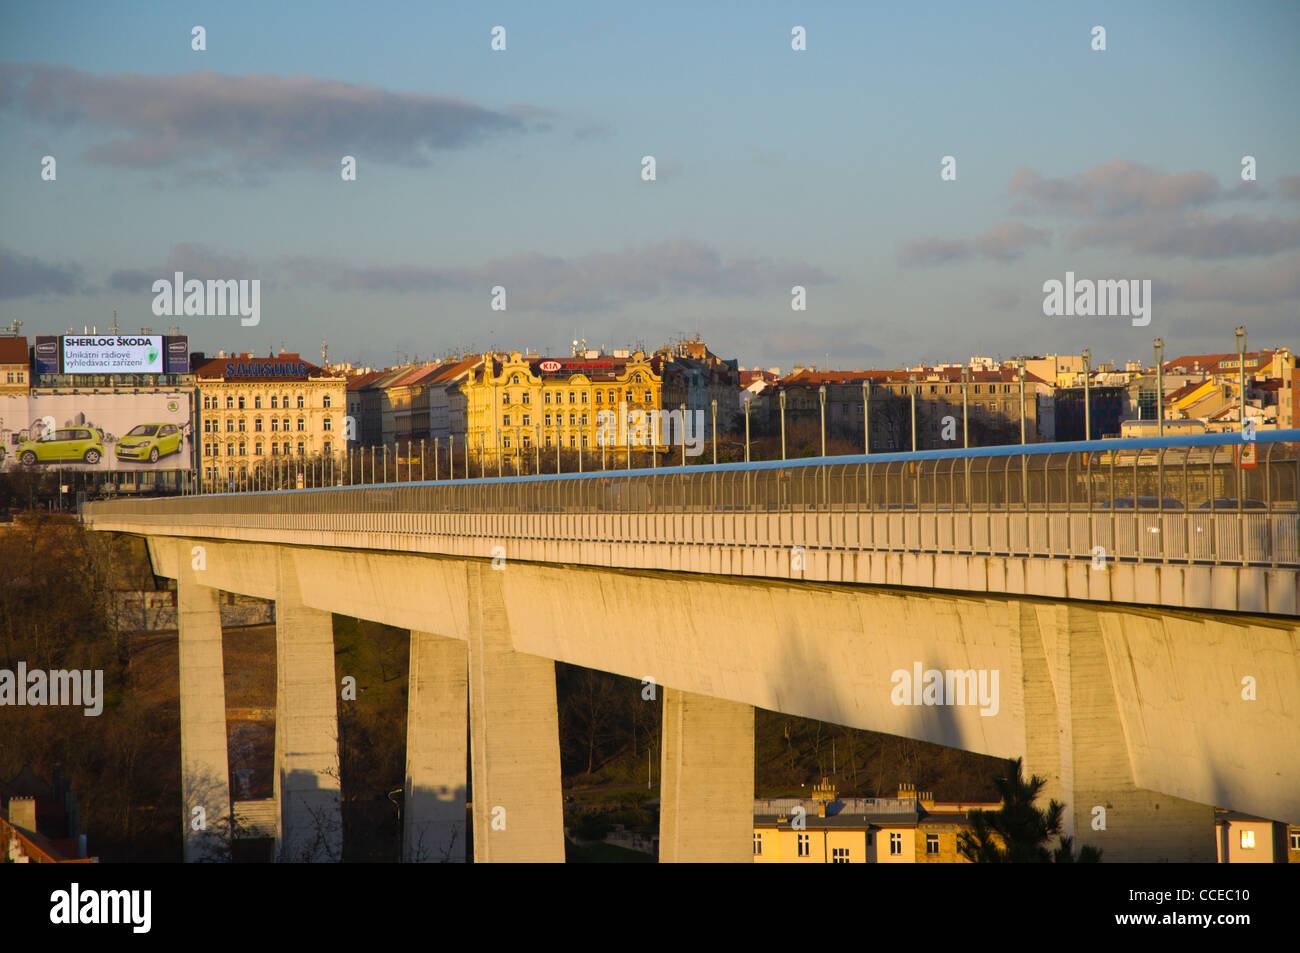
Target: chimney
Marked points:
22	813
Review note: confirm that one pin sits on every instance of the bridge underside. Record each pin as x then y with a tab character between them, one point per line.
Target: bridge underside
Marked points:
1153	716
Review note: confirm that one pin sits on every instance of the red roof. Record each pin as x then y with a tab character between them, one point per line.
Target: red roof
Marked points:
13	350
1211	362
285	366
358	381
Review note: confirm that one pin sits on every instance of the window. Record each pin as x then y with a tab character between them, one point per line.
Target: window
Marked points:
528	398
285	425
257	425
302	424
207	425
275	424
839	855
241	424
546	397
230	449
548	420
327	425
275	450
573	397
932	843
805	845
505	420
230	403
505	398
584	420
1294	840
611	396
243	449
637	379
648	397
274	403
573	441
573	420
301	448
527	420
205	402
505	441
514	379
300	401
286	449
598	397
327	447
257	402
758	844
230	425
241	401
325	401
584	396
895	844
1247	840
257	449
548	440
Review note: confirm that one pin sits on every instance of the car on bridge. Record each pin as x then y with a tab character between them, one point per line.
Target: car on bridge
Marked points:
1230	503
1141	503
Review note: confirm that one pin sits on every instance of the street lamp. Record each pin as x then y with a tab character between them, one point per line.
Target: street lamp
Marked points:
1087	400
1241	366
682	435
748	397
965	428
1022	400
1159	349
715	430
912	378
866	415
821	397
782	424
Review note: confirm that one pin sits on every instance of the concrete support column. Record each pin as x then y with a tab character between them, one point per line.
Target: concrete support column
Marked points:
514	736
706	800
205	769
1076	739
433	812
307	778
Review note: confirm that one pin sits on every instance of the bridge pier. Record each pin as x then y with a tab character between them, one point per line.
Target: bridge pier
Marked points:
514	736
307	776
1076	739
205	768
706	804
433	811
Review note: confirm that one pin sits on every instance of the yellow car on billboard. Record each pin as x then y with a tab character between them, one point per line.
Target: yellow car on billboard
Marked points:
149	442
84	444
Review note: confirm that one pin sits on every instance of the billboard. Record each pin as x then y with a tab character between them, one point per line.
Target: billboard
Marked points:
177	359
113	354
96	432
47	354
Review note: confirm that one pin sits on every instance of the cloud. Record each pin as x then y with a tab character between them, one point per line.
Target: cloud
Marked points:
1003	243
1191	235
600	280
195	260
1119	187
21	276
1289	186
253	121
1277	283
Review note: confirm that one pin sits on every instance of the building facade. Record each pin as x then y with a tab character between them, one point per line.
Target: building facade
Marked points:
254	410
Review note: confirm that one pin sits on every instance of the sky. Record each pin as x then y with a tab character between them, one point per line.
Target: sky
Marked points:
523	168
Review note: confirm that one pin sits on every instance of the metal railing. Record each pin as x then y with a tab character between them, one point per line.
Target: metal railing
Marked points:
1212	498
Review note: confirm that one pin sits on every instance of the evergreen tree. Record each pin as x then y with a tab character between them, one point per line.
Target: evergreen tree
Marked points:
1018	832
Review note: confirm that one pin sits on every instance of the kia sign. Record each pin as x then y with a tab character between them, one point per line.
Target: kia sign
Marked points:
549	367
113	354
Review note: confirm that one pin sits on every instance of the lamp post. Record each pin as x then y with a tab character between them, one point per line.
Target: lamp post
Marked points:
1087	398
821	398
1159	349
537	448
1241	367
682	435
965	419
715	430
912	378
866	415
1021	375
782	424
748	397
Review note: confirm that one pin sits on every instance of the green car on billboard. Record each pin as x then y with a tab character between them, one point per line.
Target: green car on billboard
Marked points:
149	442
85	444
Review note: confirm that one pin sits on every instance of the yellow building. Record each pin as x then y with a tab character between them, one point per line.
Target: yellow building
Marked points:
261	410
515	401
15	366
824	829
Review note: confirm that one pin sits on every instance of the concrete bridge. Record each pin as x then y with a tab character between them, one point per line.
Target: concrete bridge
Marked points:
1121	613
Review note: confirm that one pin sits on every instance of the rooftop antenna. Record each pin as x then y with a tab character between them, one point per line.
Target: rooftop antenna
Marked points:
115	320
14	327
324	353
